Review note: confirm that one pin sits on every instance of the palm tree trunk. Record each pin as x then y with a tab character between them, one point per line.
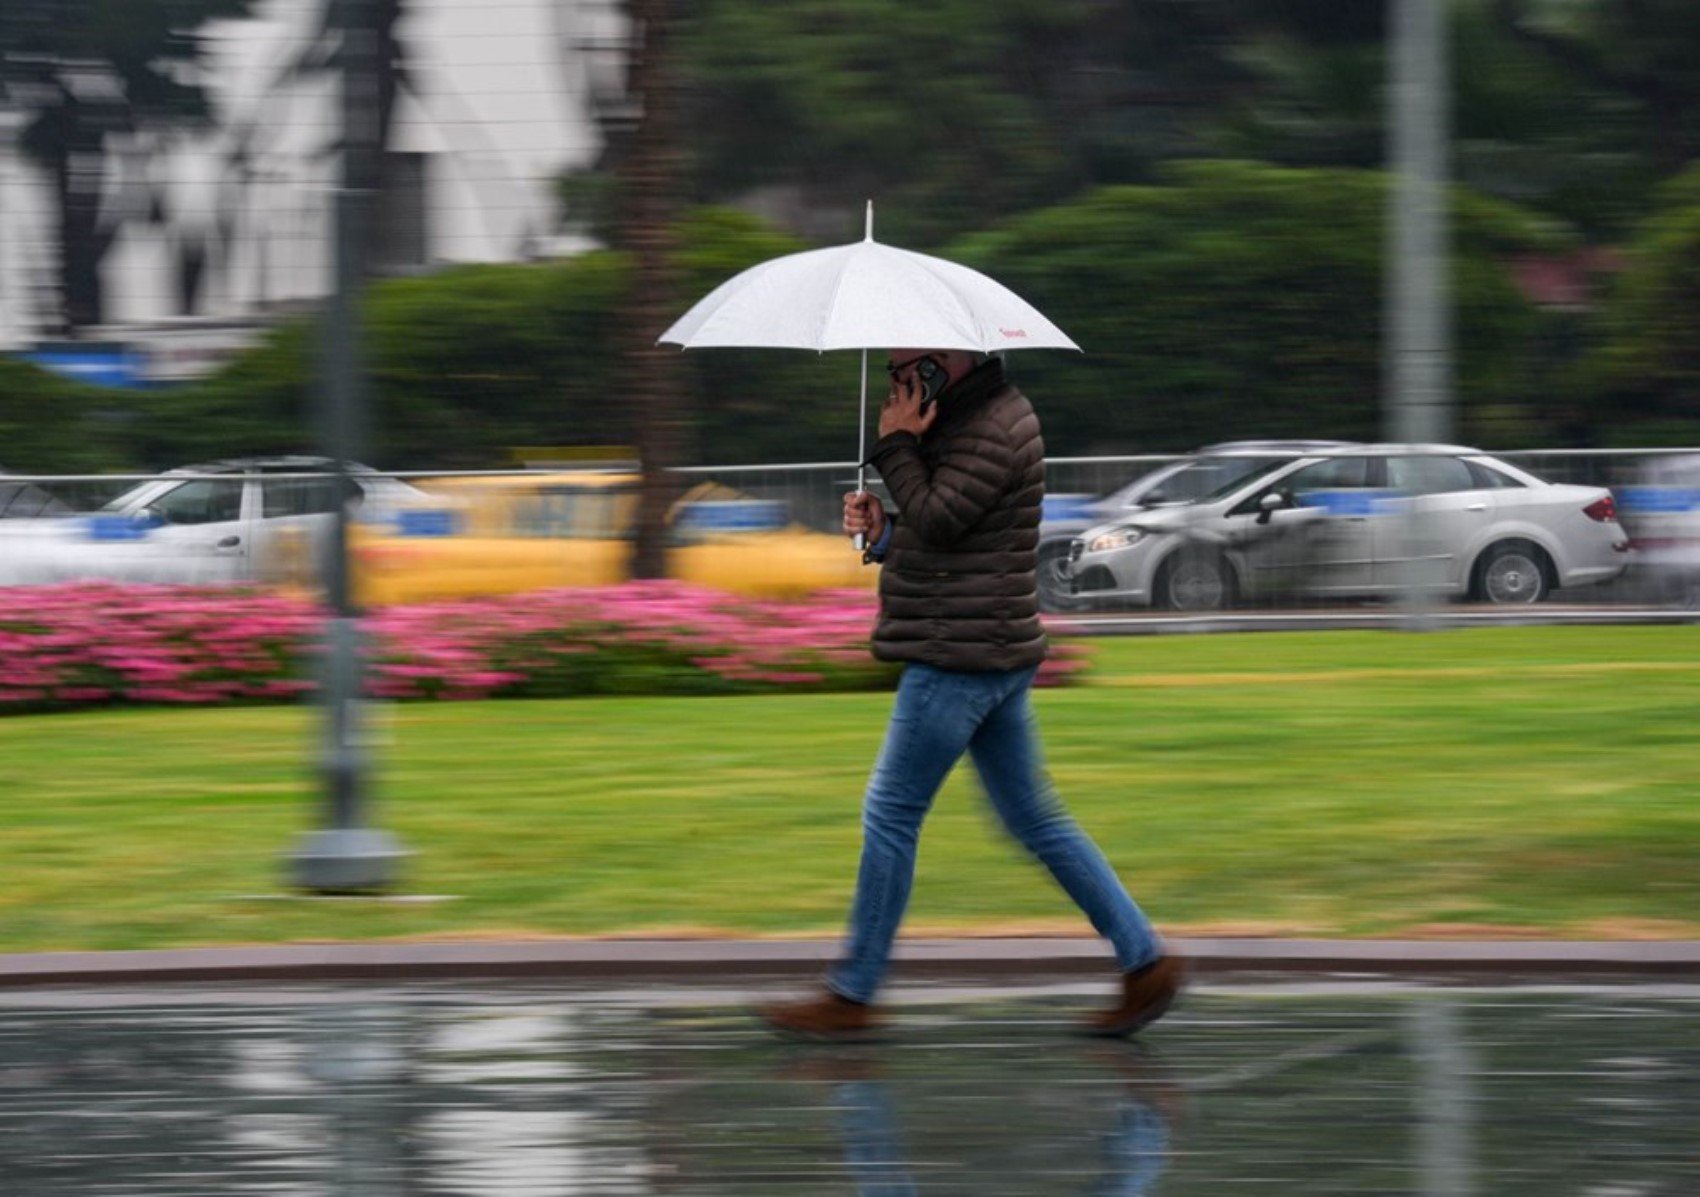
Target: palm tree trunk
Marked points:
654	380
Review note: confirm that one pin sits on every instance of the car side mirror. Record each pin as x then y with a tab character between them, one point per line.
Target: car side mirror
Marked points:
1269	504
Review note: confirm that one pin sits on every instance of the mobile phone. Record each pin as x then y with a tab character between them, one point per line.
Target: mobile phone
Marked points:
933	380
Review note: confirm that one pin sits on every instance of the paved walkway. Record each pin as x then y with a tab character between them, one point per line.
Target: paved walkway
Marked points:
522	1089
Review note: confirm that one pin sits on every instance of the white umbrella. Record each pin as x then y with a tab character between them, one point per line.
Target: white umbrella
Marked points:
864	296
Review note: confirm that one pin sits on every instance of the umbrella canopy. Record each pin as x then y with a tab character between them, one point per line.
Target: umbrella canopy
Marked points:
864	296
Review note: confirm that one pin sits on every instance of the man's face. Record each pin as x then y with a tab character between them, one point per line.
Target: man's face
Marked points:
901	364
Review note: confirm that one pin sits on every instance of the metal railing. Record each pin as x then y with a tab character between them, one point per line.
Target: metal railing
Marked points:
1313	554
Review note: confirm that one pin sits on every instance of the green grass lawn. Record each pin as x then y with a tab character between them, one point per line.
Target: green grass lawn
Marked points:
1471	782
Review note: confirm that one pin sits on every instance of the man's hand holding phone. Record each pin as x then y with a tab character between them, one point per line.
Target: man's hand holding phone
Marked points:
909	407
864	515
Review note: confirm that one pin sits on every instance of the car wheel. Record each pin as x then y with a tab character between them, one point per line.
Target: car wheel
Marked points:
1055	594
1195	581
1512	573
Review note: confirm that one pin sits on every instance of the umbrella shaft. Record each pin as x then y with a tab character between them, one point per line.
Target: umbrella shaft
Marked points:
861	541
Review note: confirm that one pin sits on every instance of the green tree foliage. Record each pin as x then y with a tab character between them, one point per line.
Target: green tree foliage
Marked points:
1546	106
1643	53
1578	106
49	425
1645	376
469	363
955	115
1230	299
462	365
937	107
1241	300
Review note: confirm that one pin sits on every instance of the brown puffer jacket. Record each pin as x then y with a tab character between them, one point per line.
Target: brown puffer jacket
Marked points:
959	589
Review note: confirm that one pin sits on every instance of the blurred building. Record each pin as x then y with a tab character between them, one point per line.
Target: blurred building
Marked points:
217	229
23	213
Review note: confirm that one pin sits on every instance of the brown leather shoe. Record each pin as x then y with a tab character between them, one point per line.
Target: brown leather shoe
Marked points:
824	1016
1146	995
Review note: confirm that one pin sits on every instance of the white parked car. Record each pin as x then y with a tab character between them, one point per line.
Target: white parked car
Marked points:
1357	521
226	528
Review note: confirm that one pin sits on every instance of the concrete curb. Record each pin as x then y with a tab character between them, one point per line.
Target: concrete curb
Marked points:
1365	619
706	960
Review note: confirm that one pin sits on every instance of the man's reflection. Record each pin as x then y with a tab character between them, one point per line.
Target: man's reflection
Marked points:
1144	1112
867	1123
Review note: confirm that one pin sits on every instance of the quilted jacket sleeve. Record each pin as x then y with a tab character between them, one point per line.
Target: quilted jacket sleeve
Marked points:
942	502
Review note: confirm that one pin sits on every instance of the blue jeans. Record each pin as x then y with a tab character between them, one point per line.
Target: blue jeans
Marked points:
939	715
1137	1148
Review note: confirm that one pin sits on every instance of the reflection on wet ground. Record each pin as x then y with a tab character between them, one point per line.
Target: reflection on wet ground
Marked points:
1362	1090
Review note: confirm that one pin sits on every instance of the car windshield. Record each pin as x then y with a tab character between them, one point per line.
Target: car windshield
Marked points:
128	498
1208	478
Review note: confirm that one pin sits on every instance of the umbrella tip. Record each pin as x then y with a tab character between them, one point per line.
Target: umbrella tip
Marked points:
868	231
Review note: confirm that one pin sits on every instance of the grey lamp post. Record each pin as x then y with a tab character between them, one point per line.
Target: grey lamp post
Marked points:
1417	359
344	856
1417	342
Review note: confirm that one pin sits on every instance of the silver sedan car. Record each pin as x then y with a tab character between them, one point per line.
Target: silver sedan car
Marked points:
1181	480
1358	521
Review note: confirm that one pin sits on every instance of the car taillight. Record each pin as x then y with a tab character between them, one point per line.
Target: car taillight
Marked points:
1602	510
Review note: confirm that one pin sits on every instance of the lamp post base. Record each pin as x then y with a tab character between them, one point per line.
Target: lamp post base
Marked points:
346	861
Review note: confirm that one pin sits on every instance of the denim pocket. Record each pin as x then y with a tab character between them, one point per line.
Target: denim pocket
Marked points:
916	692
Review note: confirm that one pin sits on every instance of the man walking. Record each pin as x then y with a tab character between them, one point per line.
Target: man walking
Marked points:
960	451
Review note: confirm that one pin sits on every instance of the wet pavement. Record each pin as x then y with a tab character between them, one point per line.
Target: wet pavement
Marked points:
524	1089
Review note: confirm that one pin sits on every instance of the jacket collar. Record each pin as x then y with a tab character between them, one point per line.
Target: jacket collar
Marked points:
973	388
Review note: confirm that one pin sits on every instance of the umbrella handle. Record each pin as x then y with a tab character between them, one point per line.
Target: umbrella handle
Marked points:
860	540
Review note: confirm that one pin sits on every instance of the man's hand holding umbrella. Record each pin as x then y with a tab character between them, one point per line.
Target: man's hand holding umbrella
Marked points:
864	515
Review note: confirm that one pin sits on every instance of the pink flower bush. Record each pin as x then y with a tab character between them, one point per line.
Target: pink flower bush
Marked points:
97	643
87	644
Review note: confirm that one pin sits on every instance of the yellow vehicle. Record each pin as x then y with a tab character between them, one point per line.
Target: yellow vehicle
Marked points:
503	535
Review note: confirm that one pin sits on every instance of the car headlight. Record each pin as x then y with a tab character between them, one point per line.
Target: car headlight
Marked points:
1115	538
